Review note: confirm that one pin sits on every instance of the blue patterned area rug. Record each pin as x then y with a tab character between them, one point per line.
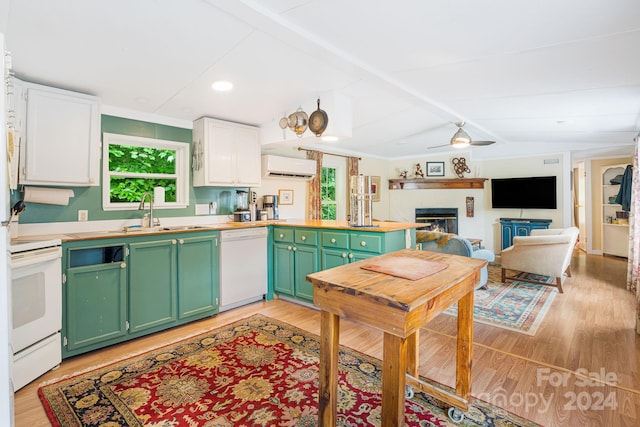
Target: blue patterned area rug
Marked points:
516	306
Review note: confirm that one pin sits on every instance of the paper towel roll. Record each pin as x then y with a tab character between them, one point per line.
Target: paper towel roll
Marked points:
47	196
158	195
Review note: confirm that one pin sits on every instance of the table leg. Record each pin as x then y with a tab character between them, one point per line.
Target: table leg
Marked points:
413	355
328	387
464	346
394	380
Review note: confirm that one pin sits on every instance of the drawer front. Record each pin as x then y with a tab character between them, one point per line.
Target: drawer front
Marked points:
366	243
283	234
335	240
303	236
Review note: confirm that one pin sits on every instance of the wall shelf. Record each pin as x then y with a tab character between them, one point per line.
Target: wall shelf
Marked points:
435	183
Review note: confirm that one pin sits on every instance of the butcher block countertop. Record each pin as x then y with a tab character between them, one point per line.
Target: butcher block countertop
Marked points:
380	226
71	236
386	291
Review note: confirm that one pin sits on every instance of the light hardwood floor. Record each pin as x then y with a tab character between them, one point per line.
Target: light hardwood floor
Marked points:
582	368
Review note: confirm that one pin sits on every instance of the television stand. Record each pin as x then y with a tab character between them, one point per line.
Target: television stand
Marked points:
511	227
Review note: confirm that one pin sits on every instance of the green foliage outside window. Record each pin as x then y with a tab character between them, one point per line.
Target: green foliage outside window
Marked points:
328	211
328	193
131	189
134	160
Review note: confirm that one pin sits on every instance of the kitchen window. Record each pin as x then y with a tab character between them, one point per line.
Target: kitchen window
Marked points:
328	193
134	165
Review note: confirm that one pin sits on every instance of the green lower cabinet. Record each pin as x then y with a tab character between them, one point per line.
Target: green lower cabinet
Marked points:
300	251
283	277
98	295
118	290
359	256
295	255
342	247
305	262
153	284
198	279
330	258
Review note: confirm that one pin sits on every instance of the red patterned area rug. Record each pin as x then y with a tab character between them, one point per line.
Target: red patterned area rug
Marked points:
254	372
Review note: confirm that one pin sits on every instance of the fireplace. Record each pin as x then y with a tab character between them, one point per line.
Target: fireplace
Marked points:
438	219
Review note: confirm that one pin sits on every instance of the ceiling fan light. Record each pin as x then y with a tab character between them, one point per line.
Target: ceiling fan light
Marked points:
460	139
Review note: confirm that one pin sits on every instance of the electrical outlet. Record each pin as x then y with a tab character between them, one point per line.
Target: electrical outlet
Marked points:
83	215
202	209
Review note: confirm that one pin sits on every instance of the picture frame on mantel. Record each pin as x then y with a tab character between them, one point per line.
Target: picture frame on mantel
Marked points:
285	197
435	168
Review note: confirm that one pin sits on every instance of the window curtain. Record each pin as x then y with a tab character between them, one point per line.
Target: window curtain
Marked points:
314	192
633	270
352	170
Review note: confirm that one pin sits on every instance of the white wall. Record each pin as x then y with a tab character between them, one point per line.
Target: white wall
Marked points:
485	222
299	187
522	167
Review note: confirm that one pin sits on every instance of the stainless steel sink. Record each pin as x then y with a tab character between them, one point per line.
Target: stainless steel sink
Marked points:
181	227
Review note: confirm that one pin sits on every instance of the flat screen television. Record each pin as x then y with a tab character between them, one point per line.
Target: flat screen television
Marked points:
538	192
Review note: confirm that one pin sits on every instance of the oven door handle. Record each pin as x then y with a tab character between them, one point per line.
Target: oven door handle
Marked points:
25	259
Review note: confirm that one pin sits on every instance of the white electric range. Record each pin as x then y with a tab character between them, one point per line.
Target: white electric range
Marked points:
36	307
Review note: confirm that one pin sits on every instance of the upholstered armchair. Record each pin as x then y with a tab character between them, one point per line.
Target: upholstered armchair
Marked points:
453	244
545	252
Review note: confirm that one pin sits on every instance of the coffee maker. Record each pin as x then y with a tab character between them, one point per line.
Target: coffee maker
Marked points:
270	205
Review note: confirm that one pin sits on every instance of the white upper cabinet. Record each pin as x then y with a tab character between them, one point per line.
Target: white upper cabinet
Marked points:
225	154
62	145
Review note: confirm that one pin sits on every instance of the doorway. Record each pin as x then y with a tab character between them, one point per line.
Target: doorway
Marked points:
579	203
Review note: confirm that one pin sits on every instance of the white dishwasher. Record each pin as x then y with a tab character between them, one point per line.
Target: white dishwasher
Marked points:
243	266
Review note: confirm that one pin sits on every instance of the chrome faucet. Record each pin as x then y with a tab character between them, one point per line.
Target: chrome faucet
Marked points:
152	220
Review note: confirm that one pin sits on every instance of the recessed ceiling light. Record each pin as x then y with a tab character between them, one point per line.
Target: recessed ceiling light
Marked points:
222	86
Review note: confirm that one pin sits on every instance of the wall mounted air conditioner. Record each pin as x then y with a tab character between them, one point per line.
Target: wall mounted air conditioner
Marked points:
287	167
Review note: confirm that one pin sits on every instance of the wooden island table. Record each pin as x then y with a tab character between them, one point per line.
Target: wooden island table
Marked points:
399	307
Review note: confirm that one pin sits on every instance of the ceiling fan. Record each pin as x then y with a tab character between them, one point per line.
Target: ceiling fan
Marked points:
461	139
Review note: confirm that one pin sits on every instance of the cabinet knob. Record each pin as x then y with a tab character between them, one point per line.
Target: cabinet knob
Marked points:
294	249
173	242
303	238
181	241
289	248
333	240
281	235
350	256
344	255
123	265
363	243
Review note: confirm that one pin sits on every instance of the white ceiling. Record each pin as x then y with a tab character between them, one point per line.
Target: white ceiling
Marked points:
538	77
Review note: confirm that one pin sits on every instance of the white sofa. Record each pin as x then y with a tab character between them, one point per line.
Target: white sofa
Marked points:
545	252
